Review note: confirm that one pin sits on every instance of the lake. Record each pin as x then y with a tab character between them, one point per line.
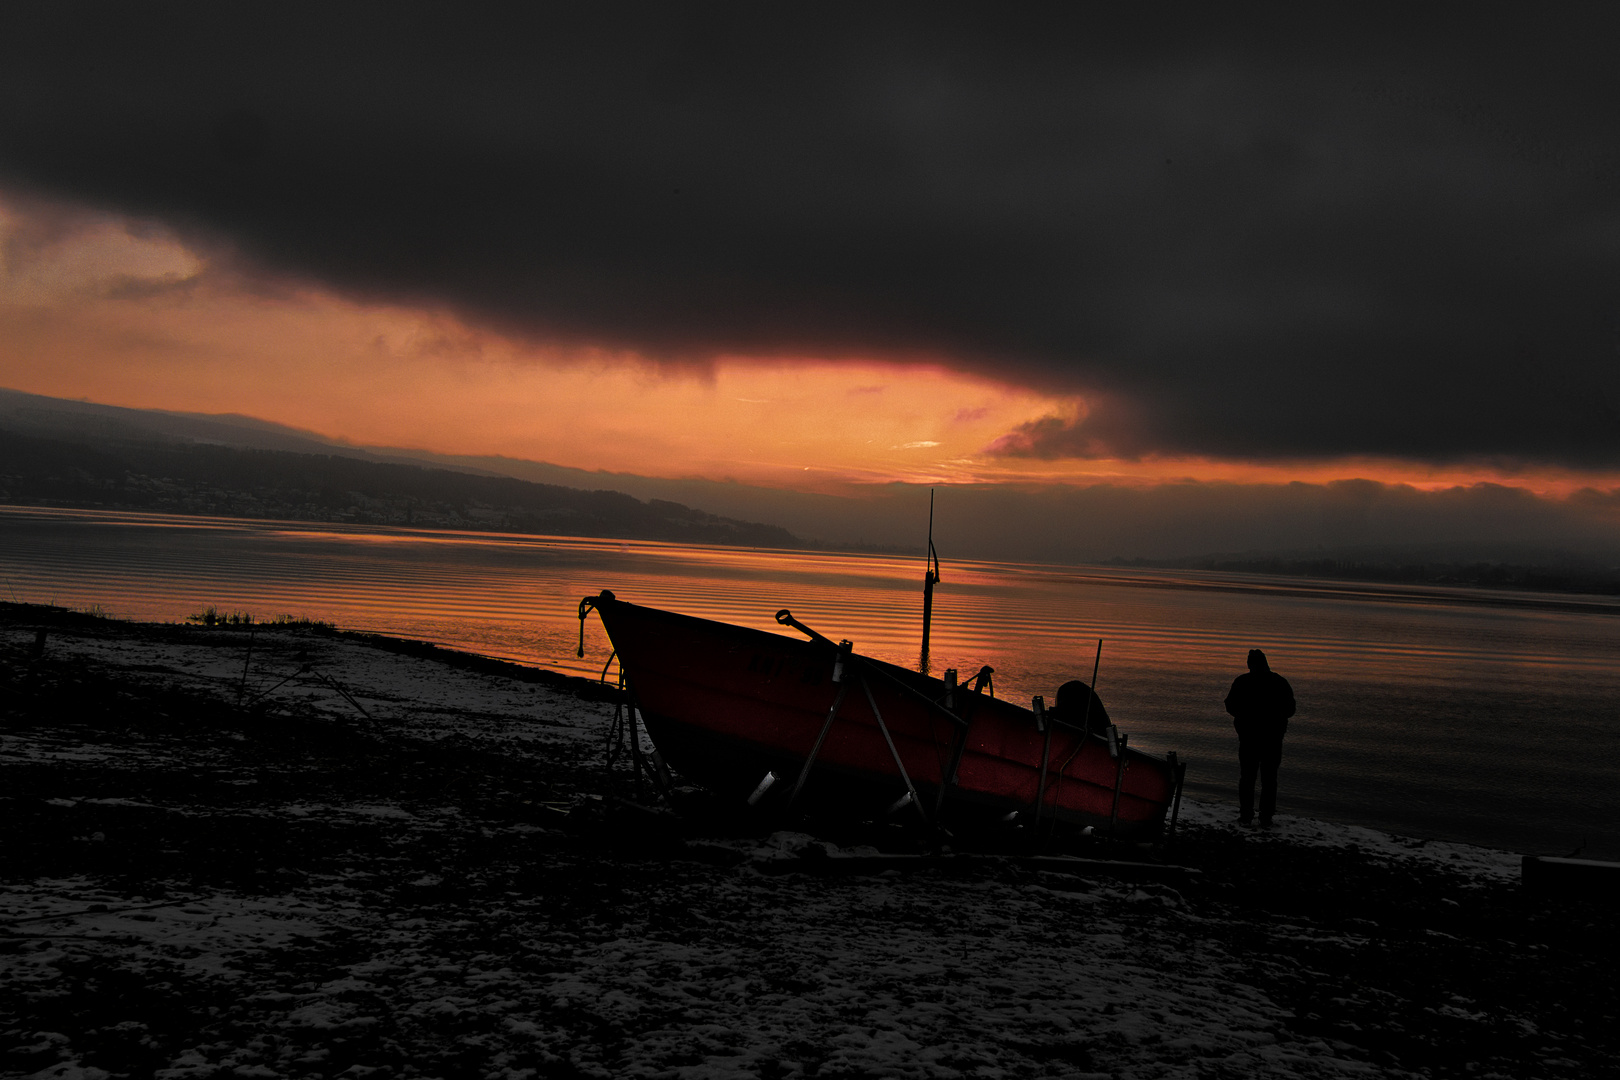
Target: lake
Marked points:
1485	716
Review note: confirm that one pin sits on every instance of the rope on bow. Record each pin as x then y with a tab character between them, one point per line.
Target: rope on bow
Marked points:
585	607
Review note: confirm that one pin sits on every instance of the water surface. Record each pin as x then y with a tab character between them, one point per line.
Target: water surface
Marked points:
1467	714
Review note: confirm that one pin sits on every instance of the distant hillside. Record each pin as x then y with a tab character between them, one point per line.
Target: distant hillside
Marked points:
99	469
85	421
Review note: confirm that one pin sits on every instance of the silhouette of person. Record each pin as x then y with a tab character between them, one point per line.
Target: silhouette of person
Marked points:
1260	703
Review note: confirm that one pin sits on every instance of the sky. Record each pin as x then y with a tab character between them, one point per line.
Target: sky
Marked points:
1145	255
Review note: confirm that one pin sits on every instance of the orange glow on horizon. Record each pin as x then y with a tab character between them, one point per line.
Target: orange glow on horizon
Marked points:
1551	482
129	317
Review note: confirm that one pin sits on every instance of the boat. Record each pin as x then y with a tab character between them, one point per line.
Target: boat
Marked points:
807	724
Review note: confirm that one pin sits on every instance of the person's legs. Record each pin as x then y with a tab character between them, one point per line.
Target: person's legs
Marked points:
1269	758
1248	768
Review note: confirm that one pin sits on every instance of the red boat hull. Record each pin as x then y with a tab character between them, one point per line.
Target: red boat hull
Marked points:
726	704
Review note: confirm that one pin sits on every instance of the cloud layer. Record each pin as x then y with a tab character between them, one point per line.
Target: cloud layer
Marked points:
1267	235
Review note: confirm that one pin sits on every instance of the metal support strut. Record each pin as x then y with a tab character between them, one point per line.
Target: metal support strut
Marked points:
1119	785
911	790
844	673
1178	777
832	714
930	579
1045	725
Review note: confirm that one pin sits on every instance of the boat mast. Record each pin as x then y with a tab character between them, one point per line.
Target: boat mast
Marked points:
930	577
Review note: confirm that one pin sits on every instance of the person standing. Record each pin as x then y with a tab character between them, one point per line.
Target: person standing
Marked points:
1260	703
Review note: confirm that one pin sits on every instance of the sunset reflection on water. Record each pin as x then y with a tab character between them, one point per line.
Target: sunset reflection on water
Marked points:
1451	712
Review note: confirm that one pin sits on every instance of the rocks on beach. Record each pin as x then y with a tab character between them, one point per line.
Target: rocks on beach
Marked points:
343	855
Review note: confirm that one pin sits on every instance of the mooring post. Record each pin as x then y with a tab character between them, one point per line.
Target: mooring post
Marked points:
930	578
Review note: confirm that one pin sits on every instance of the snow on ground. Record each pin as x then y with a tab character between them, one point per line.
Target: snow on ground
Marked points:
749	976
371	876
1483	863
316	670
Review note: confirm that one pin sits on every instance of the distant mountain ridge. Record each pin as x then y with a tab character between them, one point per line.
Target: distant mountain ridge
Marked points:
826	519
57	453
35	414
1367	532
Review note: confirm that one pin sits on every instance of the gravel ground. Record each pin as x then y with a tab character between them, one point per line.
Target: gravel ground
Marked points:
346	855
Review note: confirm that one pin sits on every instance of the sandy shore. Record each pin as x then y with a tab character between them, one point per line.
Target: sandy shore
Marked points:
347	857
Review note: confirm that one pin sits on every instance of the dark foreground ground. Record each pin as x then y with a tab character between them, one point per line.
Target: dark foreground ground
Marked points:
335	857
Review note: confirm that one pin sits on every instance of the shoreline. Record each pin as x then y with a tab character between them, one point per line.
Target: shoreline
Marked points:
370	867
1439	751
588	688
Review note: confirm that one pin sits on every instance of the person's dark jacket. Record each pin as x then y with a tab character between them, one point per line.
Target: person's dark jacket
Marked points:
1260	703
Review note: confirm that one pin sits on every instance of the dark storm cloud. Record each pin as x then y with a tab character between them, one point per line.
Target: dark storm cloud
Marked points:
1262	232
